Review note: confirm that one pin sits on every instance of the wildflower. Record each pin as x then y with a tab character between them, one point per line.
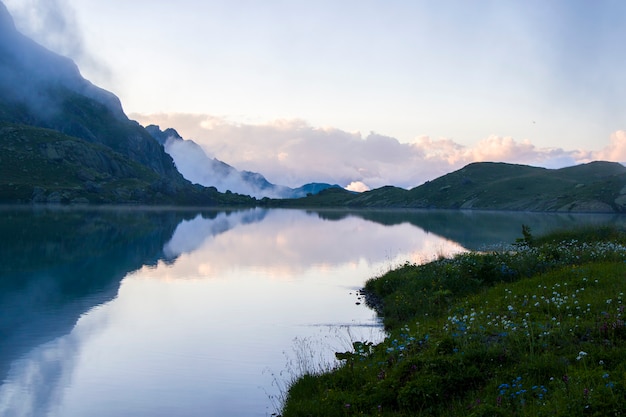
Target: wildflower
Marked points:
581	354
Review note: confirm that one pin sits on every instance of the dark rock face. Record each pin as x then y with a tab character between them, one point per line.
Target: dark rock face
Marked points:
162	136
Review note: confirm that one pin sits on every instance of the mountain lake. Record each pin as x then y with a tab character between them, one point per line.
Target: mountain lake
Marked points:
149	312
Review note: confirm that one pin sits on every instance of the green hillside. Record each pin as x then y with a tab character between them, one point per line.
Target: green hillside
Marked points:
593	187
590	187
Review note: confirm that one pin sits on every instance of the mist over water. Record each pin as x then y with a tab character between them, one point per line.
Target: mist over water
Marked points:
131	312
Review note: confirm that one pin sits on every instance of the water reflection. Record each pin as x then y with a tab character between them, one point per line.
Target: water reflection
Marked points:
475	230
194	306
56	264
287	243
36	381
191	234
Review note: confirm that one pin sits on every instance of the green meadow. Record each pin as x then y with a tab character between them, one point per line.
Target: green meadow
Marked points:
534	329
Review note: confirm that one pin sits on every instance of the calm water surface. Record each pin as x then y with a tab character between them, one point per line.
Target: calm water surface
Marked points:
131	312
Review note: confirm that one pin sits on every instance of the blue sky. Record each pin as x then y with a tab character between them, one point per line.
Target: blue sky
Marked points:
546	73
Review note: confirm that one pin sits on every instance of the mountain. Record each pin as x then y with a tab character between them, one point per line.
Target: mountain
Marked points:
62	139
594	187
199	168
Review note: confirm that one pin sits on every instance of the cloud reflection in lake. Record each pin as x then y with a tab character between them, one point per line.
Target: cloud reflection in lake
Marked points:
289	242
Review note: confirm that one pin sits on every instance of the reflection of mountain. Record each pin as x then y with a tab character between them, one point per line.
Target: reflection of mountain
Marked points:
474	230
57	264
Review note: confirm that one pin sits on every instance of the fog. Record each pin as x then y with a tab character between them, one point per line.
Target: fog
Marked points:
31	73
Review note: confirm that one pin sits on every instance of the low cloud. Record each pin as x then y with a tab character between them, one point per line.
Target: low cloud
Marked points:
292	153
357	186
53	24
615	150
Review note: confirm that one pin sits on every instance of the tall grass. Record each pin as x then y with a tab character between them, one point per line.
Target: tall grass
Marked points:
534	330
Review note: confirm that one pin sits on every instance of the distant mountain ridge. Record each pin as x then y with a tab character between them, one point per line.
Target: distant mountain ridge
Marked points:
199	168
598	187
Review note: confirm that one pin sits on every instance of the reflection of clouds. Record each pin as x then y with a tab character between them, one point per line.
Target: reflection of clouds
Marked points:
35	383
38	379
190	234
288	242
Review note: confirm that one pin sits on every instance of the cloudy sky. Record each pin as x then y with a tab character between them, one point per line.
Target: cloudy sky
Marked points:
361	92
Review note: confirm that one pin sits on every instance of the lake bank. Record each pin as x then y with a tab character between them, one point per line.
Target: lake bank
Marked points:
535	331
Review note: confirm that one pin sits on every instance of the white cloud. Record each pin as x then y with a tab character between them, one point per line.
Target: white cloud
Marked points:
292	153
357	186
615	150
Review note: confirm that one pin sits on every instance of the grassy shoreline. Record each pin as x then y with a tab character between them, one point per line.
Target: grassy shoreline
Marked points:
536	330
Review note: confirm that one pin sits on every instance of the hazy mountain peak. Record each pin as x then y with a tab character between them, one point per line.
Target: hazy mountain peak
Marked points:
162	136
27	69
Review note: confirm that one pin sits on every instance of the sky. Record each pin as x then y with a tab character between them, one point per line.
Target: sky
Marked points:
362	93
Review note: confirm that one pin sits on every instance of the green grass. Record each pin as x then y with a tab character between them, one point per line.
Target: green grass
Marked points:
538	330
